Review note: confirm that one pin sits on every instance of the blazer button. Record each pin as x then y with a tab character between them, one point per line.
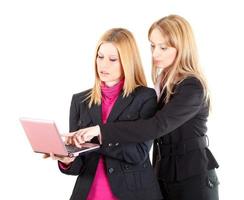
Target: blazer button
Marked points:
111	170
126	167
210	184
110	144
116	144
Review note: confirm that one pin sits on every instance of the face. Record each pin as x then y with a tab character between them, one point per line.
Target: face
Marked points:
163	56
109	66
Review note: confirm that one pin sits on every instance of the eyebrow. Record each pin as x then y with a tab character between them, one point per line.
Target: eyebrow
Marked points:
112	55
158	43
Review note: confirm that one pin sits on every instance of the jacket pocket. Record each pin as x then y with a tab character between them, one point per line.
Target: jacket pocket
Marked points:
139	177
133	180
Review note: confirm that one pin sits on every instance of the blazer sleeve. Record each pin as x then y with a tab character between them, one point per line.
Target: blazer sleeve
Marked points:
76	166
134	153
73	114
73	168
184	104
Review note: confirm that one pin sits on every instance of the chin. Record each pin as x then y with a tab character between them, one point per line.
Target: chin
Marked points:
105	80
160	67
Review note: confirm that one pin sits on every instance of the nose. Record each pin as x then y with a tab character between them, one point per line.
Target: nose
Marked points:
104	63
155	52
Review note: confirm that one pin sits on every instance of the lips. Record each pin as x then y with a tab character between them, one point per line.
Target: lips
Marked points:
157	61
104	73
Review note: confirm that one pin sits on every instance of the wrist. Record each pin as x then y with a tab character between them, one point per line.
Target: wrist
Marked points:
67	161
99	134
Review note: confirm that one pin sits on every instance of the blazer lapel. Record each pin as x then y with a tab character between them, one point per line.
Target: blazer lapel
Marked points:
120	104
95	113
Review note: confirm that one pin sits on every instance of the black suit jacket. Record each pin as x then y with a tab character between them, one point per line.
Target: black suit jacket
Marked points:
182	119
128	167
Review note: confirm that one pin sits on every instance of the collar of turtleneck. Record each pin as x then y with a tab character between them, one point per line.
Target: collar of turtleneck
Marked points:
109	93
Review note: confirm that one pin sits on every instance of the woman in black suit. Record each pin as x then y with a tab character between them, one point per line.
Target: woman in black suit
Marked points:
184	165
119	171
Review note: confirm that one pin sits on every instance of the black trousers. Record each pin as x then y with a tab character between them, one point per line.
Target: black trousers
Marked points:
200	187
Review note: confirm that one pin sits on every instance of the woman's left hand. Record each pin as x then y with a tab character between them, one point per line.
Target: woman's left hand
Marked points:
64	159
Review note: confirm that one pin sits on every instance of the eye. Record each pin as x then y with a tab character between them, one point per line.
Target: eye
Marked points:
99	56
164	48
152	46
113	59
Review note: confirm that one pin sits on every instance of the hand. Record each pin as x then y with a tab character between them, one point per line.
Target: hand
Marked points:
84	135
72	139
64	159
69	138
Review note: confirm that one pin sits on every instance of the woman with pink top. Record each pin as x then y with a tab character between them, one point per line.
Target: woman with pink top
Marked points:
123	170
182	159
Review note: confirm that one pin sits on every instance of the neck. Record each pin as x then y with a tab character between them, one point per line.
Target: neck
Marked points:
111	83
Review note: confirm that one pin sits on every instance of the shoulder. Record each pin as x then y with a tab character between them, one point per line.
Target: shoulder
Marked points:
144	92
81	96
190	89
190	82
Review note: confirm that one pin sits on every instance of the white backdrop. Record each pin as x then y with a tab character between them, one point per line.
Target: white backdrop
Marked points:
47	53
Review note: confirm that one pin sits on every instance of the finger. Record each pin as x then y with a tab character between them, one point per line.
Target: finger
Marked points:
82	131
54	157
87	137
80	139
68	140
46	155
77	144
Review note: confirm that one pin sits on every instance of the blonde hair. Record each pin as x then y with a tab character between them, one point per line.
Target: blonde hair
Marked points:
130	60
178	34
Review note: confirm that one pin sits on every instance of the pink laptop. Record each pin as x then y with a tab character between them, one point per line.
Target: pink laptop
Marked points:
44	137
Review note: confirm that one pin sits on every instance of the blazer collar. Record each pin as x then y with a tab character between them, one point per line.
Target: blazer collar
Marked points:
120	105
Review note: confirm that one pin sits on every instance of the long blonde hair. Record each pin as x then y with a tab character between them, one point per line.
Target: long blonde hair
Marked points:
130	60
178	34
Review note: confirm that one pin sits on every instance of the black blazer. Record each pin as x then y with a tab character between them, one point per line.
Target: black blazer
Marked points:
177	123
128	167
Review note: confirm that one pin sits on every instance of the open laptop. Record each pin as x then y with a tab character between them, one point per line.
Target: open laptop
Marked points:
44	137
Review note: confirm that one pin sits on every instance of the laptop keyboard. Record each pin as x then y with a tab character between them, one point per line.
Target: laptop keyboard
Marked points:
72	148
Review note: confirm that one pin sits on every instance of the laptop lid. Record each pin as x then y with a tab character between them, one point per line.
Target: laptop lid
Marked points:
44	137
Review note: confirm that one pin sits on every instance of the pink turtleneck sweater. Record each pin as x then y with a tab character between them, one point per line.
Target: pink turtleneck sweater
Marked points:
100	188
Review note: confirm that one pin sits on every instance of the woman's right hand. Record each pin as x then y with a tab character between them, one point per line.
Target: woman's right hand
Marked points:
82	136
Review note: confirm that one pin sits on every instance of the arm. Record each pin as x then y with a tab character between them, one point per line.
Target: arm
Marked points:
74	115
134	153
75	167
184	105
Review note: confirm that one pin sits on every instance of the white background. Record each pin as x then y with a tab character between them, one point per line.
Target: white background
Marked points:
47	54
